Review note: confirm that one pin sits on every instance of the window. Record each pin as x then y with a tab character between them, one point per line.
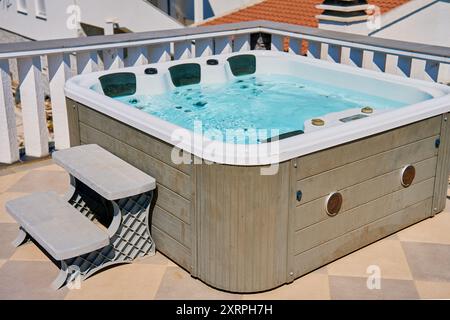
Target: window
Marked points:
41	12
22	6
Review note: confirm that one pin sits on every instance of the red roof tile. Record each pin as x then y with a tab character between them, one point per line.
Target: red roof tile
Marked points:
301	12
387	5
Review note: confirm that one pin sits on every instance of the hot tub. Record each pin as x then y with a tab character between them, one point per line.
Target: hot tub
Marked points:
270	165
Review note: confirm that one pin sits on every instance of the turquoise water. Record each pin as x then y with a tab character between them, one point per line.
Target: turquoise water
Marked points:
253	102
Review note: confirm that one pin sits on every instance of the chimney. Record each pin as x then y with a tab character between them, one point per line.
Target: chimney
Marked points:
340	15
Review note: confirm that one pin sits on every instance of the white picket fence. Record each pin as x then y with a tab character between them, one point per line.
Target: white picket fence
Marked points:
117	51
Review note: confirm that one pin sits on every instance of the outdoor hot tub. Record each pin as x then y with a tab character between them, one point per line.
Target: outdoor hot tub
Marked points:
270	165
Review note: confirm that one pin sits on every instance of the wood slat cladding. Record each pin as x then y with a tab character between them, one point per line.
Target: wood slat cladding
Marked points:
243	227
361	193
369	175
349	242
347	221
315	163
353	173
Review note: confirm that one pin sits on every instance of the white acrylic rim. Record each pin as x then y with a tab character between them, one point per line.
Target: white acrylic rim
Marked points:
77	89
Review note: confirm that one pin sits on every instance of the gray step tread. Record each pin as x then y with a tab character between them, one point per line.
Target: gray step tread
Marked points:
103	172
57	226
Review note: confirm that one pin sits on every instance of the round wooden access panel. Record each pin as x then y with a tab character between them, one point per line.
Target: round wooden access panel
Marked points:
333	203
408	175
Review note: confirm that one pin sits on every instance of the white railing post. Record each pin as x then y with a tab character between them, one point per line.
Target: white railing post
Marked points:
204	47
241	42
222	45
9	149
113	58
137	56
277	43
182	50
59	72
33	110
159	52
87	61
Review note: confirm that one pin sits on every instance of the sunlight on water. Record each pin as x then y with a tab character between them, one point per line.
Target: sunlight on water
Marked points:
253	102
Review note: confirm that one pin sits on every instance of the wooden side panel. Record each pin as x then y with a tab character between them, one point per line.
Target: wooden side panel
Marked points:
172	248
443	167
73	123
356	195
173	226
347	221
367	173
242	227
328	159
332	250
174	203
355	172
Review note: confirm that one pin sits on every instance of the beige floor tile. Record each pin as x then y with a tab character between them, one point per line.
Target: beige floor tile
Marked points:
29	280
171	264
29	165
9	180
433	290
178	284
433	230
41	181
28	252
5	197
131	281
350	288
158	259
387	254
428	261
50	167
313	286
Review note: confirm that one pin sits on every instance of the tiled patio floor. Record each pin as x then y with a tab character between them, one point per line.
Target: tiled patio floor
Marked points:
414	263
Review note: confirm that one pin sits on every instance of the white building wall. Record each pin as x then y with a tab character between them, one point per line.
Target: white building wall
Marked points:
220	7
421	21
136	15
428	25
195	11
30	26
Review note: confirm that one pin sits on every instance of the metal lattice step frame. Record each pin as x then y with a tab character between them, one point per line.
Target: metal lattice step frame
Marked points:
129	231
